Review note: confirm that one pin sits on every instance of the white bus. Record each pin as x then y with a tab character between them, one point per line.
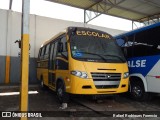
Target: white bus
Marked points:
142	50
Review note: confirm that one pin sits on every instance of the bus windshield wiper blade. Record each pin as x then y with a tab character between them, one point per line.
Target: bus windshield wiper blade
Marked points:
95	54
115	56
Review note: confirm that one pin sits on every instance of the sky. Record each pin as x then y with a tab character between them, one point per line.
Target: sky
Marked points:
58	11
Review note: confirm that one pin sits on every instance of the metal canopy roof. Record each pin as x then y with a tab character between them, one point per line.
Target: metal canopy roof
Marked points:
135	10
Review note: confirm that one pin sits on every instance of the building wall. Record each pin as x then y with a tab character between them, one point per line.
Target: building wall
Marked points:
3	35
41	29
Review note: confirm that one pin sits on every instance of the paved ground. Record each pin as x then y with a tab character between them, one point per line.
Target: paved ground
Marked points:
80	108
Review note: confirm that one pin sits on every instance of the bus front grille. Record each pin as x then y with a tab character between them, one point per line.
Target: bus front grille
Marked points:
106	80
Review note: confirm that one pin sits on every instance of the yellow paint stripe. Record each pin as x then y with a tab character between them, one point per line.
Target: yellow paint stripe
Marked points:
7	75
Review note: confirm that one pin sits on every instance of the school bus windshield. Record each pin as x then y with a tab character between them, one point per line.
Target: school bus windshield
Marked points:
94	48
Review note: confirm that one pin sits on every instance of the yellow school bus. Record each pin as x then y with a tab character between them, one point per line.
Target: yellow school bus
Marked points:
82	61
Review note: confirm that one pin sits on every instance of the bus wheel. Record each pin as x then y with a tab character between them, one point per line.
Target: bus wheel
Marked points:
63	97
137	91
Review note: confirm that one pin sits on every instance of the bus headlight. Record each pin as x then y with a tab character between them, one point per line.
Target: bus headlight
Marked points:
79	74
126	75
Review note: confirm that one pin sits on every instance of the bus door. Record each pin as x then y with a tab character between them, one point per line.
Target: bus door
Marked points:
51	64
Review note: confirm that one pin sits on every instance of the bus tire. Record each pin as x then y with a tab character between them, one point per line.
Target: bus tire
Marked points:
63	97
137	91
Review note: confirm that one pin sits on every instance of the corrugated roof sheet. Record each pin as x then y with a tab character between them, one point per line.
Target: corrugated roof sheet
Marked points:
136	10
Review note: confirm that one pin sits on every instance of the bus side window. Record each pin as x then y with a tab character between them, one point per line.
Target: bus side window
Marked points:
140	50
51	51
129	50
64	41
64	53
42	53
153	50
39	54
46	55
51	59
55	50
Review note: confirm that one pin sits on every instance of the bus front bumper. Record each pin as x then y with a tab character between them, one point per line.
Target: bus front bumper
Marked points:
87	87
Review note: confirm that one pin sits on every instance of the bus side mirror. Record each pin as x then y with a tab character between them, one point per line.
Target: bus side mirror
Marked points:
60	47
71	31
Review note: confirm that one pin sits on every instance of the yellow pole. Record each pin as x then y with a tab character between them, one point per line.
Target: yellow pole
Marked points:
24	57
24	74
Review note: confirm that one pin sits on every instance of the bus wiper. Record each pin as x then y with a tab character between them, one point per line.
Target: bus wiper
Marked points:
95	54
115	56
